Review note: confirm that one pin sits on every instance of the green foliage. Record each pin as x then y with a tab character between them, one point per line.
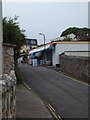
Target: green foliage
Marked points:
74	30
12	34
81	34
67	39
68	31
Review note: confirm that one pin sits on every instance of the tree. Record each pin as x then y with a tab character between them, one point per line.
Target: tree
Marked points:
80	33
12	34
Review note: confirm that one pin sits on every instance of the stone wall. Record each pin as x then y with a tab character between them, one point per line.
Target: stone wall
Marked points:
77	67
8	83
8	58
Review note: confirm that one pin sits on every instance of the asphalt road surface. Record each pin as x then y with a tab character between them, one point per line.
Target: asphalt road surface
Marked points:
68	97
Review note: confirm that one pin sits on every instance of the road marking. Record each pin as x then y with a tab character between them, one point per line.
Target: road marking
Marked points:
59	117
51	107
74	79
26	86
52	110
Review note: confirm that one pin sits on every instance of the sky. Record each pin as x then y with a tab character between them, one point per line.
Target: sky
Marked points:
49	18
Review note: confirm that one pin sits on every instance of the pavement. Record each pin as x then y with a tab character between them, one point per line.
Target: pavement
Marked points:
29	105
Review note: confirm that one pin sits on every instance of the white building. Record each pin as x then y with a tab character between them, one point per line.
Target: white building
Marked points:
61	47
58	48
1	38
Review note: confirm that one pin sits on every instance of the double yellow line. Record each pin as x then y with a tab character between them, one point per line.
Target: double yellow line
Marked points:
53	112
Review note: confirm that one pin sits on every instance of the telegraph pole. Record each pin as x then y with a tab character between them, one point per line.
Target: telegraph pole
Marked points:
44	48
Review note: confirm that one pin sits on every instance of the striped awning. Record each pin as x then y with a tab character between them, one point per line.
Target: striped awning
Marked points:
39	49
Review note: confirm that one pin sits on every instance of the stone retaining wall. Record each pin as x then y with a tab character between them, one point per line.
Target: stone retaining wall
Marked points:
8	80
77	67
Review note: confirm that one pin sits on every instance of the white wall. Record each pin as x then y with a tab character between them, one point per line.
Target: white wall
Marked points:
0	38
89	14
0	60
61	47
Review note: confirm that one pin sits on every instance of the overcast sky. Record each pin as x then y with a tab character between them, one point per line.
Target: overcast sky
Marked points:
50	18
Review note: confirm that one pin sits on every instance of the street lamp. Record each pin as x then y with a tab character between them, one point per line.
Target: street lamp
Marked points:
44	46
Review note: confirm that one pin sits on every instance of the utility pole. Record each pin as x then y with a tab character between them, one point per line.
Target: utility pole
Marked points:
44	48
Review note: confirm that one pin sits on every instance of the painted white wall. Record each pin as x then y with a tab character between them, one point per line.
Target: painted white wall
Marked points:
0	38
60	48
84	54
89	14
0	60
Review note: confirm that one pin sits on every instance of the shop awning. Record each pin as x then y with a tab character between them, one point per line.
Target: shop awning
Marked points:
40	49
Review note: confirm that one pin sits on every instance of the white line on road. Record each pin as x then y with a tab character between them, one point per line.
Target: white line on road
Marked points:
26	86
52	110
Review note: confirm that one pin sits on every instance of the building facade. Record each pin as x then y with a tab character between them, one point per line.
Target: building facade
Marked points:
61	47
30	44
1	60
7	78
43	54
54	49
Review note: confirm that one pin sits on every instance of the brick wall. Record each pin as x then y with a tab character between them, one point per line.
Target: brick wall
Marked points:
77	67
8	83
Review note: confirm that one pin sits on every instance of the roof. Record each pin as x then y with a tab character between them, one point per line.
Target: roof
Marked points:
72	42
41	48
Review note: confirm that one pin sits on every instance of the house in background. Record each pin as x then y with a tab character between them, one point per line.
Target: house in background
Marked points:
61	46
30	44
42	53
53	50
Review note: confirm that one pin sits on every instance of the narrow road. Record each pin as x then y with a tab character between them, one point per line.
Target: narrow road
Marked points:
68	97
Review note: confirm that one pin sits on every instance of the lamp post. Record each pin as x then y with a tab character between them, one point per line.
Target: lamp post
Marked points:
44	47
